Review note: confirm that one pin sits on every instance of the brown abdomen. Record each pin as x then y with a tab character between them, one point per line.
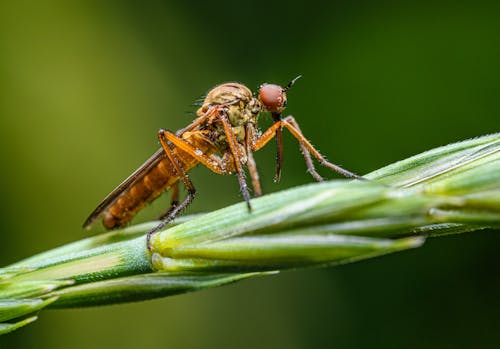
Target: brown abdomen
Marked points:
157	180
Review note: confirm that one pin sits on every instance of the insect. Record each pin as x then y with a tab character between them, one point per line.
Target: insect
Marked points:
223	138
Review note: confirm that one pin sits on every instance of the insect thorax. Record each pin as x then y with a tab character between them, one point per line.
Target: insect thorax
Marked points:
241	107
227	93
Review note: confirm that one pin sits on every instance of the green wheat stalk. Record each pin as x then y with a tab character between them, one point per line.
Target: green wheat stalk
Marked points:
448	190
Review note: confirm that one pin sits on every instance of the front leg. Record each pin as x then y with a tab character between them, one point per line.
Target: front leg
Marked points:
234	149
307	148
252	167
289	123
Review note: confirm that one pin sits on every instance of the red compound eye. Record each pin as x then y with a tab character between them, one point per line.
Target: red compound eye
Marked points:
273	97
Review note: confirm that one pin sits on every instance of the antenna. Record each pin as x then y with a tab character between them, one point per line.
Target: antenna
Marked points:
291	83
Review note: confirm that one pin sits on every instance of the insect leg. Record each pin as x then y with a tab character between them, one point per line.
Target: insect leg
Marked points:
266	136
305	153
271	132
252	167
288	123
231	139
279	154
212	161
174	202
306	147
185	179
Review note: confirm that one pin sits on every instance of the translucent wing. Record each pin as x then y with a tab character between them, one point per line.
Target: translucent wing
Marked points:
158	156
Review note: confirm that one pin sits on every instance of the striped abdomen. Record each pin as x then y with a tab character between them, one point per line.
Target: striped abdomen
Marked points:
153	183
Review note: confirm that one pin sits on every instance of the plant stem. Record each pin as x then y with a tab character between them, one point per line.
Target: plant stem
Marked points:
448	190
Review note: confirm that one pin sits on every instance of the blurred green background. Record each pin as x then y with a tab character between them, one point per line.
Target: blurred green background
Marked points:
85	85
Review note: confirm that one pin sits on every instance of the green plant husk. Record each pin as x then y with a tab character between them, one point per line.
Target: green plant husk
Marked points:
448	190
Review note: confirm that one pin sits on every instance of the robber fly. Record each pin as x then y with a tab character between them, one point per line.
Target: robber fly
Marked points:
223	138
